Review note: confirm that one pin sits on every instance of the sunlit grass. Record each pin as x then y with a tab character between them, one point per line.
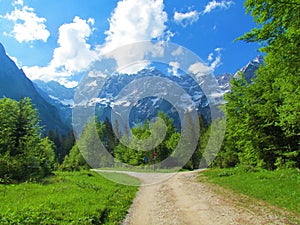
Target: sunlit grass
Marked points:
67	198
279	187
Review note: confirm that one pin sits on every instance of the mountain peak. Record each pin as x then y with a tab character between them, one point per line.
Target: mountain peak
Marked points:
259	59
250	68
2	49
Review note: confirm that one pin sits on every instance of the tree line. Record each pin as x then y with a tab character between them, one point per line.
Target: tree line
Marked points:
27	154
141	145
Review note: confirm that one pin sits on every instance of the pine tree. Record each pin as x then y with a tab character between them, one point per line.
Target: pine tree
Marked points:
24	154
202	142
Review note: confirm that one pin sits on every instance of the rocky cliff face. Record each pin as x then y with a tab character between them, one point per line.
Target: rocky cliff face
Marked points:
248	71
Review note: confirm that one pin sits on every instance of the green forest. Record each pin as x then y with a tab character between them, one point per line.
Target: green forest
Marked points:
262	122
262	117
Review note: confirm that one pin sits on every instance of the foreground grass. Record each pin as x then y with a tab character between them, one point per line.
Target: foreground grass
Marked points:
67	198
280	187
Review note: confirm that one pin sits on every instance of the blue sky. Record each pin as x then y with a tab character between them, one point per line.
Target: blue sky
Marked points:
55	40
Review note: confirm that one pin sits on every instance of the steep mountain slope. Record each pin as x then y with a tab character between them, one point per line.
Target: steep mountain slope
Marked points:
56	91
14	84
250	68
59	96
149	92
248	71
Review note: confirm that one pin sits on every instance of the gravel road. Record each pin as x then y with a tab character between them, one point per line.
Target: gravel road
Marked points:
179	199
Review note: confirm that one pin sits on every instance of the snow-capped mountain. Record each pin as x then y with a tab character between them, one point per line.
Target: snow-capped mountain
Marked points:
148	92
224	81
248	71
58	95
57	92
250	68
112	94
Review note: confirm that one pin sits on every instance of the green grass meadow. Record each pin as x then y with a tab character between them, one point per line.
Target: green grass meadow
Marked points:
280	187
67	198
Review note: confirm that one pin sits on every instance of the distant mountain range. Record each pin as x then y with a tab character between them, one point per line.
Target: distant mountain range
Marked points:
152	83
55	101
59	96
14	84
148	107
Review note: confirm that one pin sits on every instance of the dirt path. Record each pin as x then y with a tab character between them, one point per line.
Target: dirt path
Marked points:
180	199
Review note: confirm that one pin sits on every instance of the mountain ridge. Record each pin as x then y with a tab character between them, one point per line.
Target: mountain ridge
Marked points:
55	101
147	108
15	85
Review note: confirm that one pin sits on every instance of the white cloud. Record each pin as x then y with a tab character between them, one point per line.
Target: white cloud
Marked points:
74	54
49	73
135	20
177	52
27	25
67	83
187	18
91	21
95	74
210	57
131	21
224	4
201	69
168	35
215	62
135	67
19	64
18	2
174	68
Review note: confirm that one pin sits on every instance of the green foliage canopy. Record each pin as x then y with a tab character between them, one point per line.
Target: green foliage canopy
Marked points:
263	116
24	154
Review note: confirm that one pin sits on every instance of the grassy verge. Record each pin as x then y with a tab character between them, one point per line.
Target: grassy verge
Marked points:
66	198
280	187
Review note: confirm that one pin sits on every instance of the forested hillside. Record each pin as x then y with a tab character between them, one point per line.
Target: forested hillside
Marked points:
263	116
15	85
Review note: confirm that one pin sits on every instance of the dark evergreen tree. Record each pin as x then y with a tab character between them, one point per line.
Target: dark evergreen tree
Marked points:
109	138
198	154
74	161
24	154
67	143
